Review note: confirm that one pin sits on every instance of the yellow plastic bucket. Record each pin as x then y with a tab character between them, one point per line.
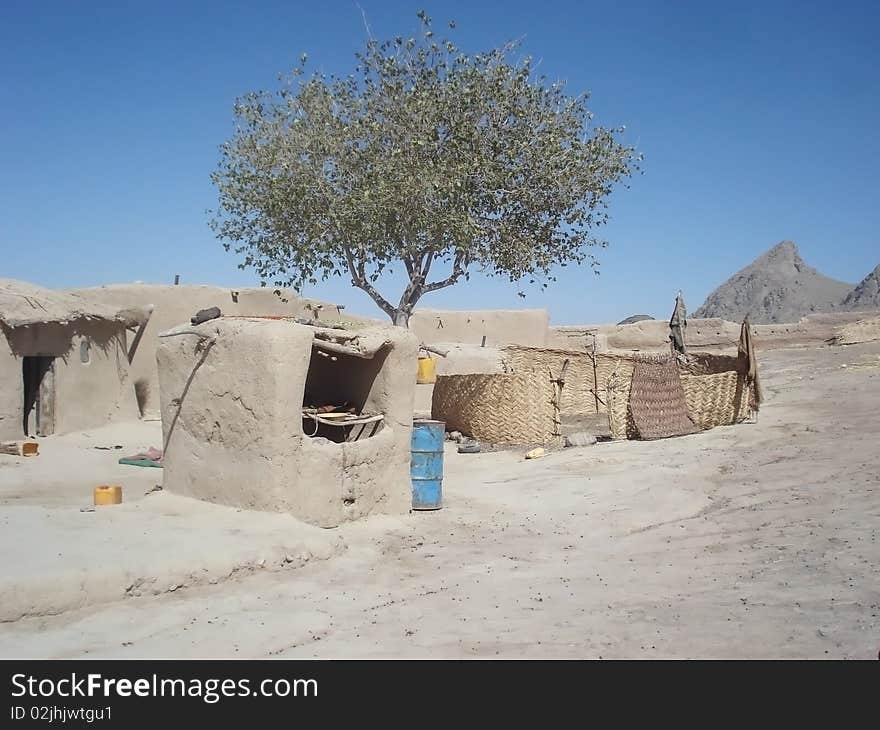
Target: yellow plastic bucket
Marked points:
427	370
108	495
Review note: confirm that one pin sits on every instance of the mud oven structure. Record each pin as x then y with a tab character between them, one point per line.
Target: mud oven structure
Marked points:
274	415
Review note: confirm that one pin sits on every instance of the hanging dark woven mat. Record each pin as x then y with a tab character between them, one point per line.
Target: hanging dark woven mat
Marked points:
656	401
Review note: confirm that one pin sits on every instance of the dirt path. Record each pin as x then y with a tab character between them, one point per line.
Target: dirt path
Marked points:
759	540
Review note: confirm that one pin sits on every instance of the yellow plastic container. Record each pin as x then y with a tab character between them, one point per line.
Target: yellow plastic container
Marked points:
108	495
427	370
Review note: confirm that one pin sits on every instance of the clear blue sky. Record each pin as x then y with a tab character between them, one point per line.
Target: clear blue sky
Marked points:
760	121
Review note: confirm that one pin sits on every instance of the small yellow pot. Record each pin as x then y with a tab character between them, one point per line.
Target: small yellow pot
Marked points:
427	370
108	495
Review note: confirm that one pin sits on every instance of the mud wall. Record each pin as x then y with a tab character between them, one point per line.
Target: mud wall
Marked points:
709	334
174	305
499	326
646	336
11	393
814	329
87	394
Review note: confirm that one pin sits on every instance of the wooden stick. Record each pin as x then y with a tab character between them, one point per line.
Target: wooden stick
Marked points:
558	383
341	349
430	348
595	387
338	422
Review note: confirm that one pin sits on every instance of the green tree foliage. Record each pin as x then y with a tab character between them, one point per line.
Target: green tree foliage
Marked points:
425	157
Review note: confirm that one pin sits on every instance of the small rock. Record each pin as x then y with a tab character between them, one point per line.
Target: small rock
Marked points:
536	453
454	436
581	438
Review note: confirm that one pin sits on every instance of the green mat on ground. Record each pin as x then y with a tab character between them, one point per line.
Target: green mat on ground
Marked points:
140	462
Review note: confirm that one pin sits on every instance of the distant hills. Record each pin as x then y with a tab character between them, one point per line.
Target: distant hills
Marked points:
866	295
635	318
779	286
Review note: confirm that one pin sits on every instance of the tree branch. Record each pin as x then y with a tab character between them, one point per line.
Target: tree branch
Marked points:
412	292
427	267
359	279
458	269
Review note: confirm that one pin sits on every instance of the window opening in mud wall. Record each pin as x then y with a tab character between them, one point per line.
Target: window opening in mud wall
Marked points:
84	352
335	400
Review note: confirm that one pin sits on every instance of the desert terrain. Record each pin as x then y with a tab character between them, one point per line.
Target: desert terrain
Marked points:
755	540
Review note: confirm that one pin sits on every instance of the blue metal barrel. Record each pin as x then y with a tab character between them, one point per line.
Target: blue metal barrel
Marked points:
426	467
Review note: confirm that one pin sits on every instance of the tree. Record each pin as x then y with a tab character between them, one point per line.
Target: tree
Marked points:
425	156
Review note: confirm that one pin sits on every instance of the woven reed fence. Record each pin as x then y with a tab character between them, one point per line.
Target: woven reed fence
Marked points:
586	376
718	399
707	363
521	406
496	408
714	387
617	389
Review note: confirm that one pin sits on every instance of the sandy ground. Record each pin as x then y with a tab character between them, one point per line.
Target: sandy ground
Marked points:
758	540
61	553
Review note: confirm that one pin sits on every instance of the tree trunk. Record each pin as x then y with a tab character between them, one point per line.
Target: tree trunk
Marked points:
400	318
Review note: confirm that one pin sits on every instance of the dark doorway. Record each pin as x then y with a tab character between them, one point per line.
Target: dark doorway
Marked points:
38	377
